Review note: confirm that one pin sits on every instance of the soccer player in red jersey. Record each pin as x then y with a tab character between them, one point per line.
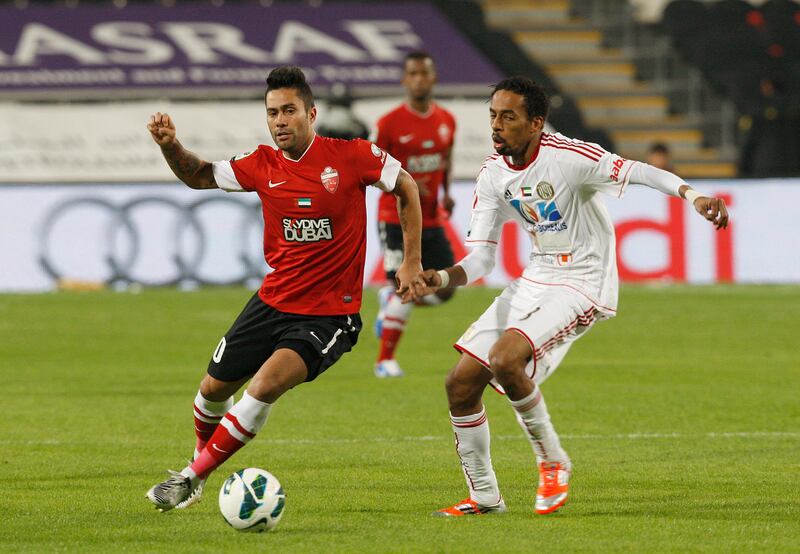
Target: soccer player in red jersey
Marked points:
418	133
305	316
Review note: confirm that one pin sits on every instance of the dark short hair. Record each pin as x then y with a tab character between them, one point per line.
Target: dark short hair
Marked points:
659	147
290	76
420	55
536	100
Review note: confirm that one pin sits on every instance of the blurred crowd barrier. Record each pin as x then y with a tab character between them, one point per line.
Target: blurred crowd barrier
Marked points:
131	235
109	142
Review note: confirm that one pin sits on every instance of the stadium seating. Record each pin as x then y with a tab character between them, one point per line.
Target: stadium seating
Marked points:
736	44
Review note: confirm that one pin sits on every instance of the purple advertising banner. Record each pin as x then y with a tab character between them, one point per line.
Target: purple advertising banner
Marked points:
229	48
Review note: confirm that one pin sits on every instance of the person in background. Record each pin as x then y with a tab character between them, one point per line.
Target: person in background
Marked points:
419	134
659	156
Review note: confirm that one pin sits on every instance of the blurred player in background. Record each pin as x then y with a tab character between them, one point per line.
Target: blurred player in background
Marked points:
548	184
305	316
419	133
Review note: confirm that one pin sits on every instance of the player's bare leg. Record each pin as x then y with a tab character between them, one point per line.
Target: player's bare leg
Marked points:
465	385
508	358
282	371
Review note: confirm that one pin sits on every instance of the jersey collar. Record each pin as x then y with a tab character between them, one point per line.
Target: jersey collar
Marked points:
310	144
533	158
422	115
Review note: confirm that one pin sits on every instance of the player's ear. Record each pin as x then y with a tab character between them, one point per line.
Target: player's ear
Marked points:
312	114
537	124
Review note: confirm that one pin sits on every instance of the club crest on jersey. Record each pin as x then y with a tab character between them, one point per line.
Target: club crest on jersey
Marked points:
444	132
330	179
545	190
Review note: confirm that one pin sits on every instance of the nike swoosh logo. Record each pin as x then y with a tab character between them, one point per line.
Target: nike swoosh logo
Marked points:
271	184
405	138
218	449
315	336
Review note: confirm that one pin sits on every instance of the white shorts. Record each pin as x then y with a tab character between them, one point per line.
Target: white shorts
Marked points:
550	318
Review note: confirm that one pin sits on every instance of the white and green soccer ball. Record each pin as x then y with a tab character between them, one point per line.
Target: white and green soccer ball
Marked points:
252	500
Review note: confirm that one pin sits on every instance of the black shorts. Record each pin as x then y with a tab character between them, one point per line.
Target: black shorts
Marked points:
436	251
260	330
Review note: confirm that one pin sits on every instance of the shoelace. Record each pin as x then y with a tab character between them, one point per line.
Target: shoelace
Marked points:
550	476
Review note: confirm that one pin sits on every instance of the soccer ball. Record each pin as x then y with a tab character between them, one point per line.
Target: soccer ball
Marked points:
252	500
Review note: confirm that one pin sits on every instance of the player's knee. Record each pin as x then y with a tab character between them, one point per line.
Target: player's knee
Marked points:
506	366
445	294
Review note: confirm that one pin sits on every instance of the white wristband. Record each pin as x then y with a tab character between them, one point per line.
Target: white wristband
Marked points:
691	195
445	277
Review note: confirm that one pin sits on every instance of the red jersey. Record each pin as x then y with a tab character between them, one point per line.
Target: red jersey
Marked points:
314	219
421	143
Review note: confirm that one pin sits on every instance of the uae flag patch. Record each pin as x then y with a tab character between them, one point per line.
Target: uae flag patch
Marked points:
527	191
303	202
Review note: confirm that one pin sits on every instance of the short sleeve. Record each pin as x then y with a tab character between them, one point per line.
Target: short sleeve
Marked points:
237	174
375	166
488	213
610	174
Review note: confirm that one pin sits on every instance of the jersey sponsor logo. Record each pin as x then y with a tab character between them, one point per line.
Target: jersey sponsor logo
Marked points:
405	138
424	163
545	190
615	169
330	179
544	216
307	229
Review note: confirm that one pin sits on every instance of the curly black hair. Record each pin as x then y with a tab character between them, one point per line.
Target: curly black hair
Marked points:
537	103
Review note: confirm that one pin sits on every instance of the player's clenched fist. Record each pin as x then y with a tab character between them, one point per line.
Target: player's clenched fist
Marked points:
161	128
714	210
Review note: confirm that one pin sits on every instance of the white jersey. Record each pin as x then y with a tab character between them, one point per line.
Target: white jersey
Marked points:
554	198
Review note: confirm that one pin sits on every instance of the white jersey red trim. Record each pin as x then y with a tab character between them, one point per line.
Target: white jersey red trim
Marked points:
554	199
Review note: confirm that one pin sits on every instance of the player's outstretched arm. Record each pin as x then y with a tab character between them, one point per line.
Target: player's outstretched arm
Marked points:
409	274
713	209
196	173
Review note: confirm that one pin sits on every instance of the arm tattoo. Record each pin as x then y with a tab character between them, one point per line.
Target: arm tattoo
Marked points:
189	168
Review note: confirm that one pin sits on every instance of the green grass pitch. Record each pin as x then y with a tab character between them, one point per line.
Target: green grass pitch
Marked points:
681	416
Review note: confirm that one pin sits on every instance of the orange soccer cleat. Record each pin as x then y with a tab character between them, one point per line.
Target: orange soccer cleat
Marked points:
469	507
553	486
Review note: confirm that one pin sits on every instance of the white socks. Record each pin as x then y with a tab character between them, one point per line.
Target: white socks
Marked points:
430	300
396	313
534	419
472	445
250	414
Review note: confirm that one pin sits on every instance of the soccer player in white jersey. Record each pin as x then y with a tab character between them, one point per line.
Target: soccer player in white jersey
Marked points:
548	184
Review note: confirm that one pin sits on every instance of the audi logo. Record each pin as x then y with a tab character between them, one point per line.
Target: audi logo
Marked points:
178	252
